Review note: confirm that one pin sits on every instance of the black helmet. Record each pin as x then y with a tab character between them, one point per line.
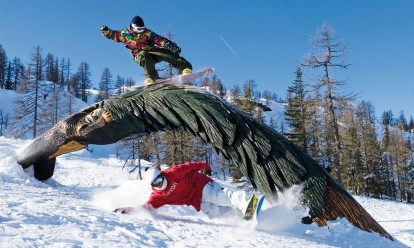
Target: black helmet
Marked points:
138	21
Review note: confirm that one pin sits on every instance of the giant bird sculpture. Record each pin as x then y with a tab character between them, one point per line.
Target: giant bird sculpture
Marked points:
264	156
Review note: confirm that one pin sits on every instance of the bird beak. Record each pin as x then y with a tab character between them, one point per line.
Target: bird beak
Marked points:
56	141
69	135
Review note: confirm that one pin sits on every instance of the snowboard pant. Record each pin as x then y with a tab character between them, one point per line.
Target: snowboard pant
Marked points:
149	58
218	202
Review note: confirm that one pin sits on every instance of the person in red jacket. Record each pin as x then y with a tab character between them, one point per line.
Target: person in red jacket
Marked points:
148	48
179	185
183	184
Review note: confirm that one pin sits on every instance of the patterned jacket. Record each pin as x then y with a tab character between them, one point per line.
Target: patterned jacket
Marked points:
184	186
144	41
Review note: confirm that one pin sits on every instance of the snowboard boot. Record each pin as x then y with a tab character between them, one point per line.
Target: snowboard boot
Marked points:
148	80
186	71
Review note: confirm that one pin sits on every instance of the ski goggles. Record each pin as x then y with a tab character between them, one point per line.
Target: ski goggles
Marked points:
137	28
157	182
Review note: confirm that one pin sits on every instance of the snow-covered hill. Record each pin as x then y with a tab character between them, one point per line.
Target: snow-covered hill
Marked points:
74	209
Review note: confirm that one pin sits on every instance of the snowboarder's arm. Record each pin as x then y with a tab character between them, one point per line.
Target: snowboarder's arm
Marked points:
153	202
190	166
165	43
114	35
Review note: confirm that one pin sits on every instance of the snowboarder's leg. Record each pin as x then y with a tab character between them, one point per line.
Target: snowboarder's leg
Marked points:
176	61
214	211
215	194
147	61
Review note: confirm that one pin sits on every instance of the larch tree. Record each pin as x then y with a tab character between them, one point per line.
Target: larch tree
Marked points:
27	109
328	58
353	170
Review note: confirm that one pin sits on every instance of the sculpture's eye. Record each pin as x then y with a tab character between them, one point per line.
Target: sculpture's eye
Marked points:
93	117
90	118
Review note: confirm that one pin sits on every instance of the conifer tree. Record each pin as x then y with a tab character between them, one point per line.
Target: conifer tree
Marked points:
386	161
329	57
353	171
37	63
296	113
176	147
402	121
386	123
217	87
267	96
119	85
3	65
205	82
84	82
8	82
17	72
246	102
68	78
314	125
4	121
398	157
272	123
105	85
400	153
52	69
129	82
370	150
62	69
235	96
259	115
411	124
27	115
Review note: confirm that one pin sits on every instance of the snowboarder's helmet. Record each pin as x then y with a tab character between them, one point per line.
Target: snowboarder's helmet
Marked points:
138	21
157	180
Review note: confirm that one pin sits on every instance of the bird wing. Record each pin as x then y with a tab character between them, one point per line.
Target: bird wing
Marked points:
264	156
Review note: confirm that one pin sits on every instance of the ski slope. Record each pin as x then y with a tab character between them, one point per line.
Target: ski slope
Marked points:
74	209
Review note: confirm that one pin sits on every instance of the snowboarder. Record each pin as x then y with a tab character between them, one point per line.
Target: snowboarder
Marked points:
148	48
188	184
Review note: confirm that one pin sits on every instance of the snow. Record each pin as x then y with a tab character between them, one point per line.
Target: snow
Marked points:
74	209
8	98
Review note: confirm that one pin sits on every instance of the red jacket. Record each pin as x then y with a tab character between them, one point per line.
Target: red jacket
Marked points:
184	186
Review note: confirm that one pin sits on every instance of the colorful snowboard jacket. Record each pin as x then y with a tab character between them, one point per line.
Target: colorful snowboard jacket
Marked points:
184	186
137	42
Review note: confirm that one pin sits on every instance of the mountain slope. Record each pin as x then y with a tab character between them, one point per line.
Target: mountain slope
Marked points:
74	209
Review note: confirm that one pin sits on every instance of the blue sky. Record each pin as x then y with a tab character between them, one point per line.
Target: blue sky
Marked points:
260	40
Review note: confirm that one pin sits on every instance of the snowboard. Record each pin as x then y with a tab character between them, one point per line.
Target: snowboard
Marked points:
254	207
185	78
